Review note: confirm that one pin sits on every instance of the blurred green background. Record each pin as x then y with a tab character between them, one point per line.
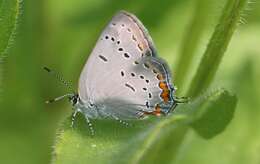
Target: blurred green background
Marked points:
61	33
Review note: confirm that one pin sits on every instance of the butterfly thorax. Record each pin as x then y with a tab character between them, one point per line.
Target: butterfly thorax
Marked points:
87	108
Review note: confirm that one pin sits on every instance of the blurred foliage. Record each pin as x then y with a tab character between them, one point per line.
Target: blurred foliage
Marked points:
61	34
9	15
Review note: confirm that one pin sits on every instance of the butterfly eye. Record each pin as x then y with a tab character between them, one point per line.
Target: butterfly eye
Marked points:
74	101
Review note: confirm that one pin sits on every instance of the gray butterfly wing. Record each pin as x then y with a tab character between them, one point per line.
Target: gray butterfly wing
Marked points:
121	74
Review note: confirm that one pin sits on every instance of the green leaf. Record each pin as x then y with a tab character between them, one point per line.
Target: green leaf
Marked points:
215	113
217	46
151	140
10	11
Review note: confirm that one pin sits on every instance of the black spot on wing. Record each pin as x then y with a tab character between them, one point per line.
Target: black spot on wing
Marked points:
130	87
122	73
147	104
126	55
103	58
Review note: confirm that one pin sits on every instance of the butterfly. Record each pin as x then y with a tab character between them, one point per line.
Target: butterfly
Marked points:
123	77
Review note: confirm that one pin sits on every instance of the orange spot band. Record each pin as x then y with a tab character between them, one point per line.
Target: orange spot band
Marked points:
157	111
165	95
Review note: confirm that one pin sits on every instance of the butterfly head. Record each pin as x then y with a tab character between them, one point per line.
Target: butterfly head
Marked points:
74	99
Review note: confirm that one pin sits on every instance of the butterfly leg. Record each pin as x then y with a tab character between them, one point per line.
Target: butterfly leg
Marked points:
108	115
73	117
90	126
121	121
172	108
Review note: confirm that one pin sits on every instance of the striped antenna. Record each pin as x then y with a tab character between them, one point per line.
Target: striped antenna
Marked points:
67	84
59	77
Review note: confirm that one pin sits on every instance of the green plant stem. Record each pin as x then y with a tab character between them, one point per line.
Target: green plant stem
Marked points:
217	46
